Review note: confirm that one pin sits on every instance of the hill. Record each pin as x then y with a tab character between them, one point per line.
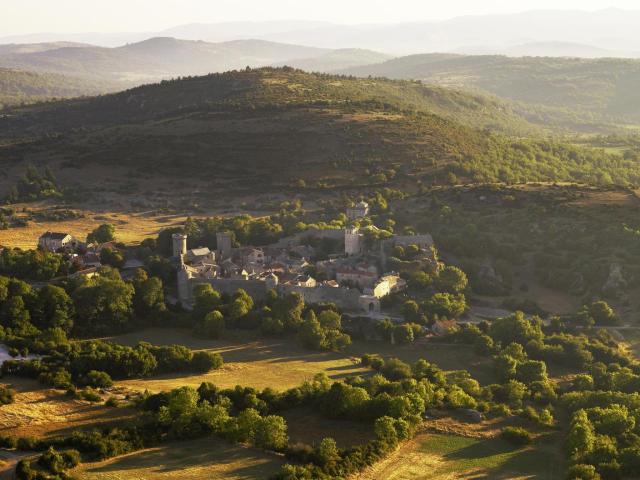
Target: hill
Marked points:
166	57
338	60
155	58
599	87
270	130
20	87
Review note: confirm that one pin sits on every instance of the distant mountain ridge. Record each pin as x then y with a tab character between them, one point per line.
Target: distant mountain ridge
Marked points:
610	30
167	57
155	58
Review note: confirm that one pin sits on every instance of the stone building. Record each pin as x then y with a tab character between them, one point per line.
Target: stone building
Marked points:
224	241
352	242
360	210
54	241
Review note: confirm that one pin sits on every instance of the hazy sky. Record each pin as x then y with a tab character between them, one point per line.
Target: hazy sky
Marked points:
69	16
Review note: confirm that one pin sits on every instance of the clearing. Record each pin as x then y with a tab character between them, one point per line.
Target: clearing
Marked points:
249	361
452	457
281	363
44	412
191	460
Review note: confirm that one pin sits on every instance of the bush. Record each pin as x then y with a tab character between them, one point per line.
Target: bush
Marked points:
97	379
582	472
206	361
516	435
7	395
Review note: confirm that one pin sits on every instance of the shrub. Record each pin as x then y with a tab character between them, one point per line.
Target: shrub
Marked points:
206	361
516	435
97	379
582	472
7	395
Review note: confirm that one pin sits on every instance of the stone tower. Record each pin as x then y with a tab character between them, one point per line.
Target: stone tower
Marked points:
271	282
225	244
179	245
352	241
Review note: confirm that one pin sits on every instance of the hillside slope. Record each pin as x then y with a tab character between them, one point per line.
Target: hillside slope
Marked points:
270	129
606	87
20	87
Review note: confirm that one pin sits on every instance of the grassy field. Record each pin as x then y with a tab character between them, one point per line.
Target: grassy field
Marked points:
449	457
283	363
130	227
44	412
208	458
260	363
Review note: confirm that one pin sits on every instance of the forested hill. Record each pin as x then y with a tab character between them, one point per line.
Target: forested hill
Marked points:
281	88
20	87
270	128
605	86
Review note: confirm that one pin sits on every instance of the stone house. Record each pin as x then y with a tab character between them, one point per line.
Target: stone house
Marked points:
54	241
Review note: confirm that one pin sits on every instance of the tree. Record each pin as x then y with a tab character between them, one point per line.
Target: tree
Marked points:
104	305
403	334
206	361
54	309
411	311
603	314
581	437
112	257
271	433
327	452
206	300
452	280
212	326
446	305
311	333
330	320
515	328
148	300
385	431
531	371
102	234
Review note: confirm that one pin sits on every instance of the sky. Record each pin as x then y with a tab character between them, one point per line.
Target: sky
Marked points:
75	16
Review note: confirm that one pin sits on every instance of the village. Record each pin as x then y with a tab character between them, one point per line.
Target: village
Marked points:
356	277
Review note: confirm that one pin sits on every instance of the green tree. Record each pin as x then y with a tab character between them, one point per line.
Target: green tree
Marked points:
452	280
102	234
581	437
54	309
212	326
271	433
205	300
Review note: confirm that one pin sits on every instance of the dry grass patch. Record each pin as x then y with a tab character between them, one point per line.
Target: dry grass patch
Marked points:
281	363
208	458
44	412
454	457
249	361
130	227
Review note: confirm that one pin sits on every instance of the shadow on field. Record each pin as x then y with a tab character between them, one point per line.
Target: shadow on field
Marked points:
534	462
207	458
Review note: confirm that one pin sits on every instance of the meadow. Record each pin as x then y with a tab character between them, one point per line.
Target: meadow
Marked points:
130	227
192	460
45	412
452	457
282	363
